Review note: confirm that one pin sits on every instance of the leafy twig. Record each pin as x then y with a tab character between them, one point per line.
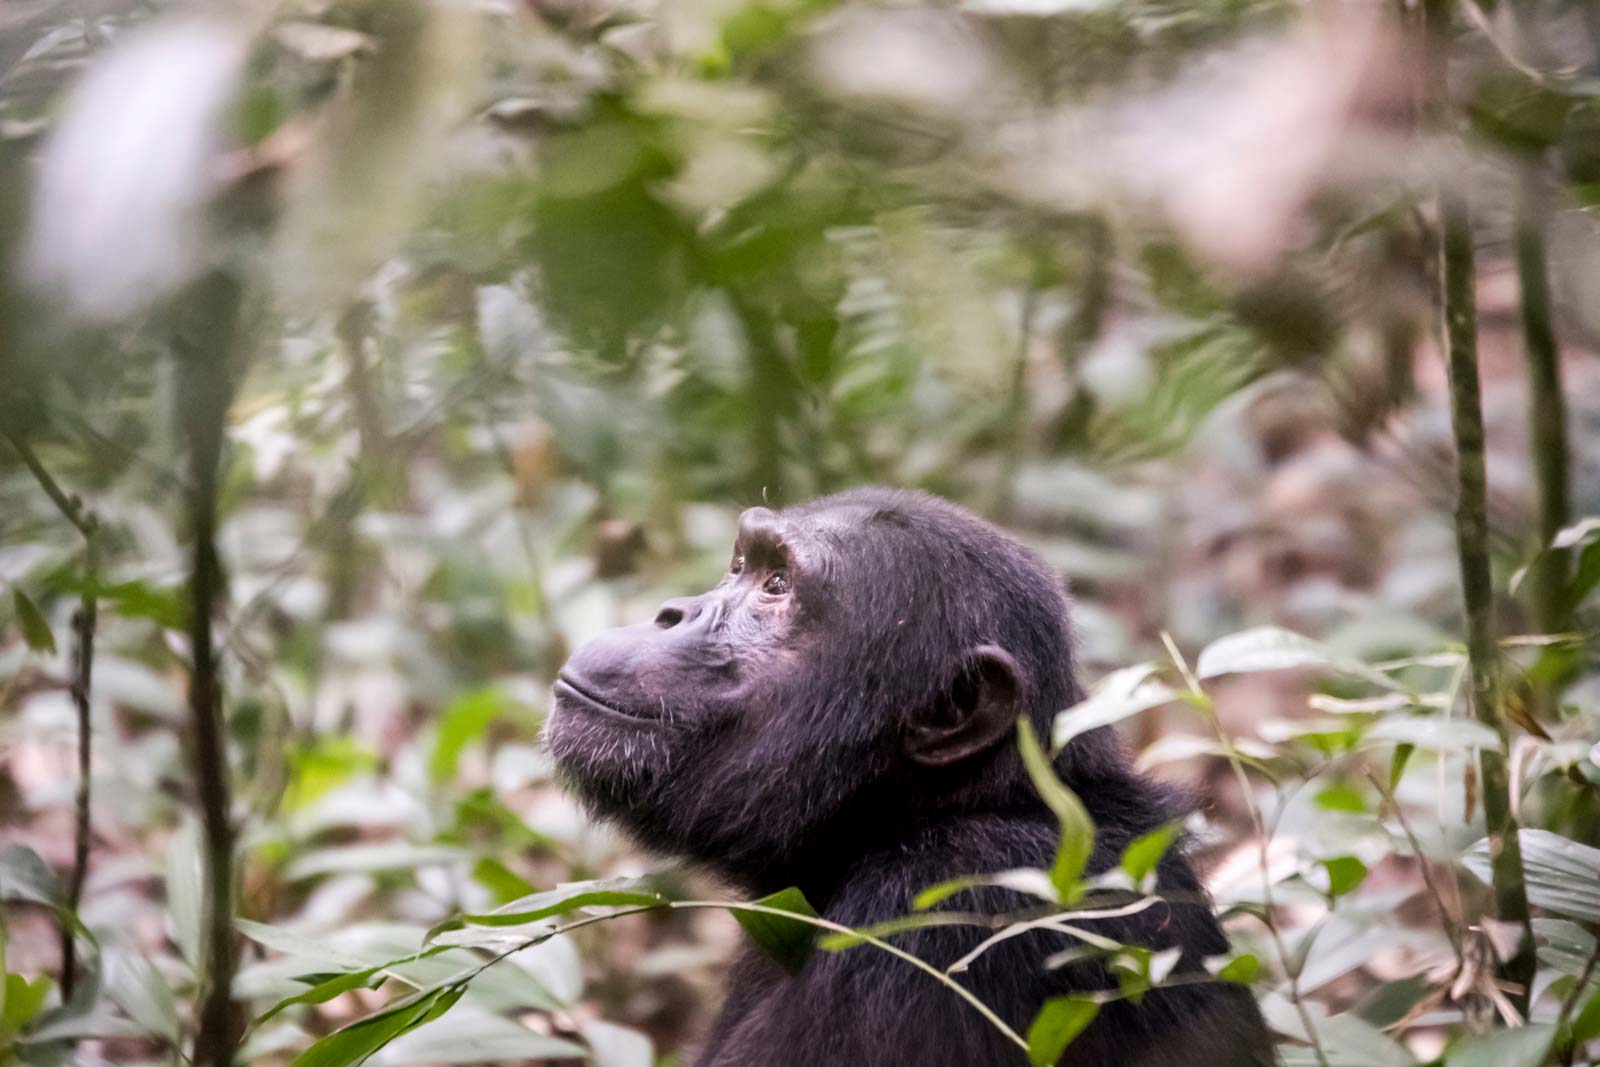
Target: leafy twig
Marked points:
1203	701
83	627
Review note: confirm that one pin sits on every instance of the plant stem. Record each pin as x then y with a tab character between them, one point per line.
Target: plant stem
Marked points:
1264	837
1452	932
1547	416
205	349
1569	1003
83	627
1472	543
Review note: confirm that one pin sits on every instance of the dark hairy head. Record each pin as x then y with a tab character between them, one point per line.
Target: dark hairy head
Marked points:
860	669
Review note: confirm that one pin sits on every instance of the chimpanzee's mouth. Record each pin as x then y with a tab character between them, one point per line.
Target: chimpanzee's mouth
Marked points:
579	693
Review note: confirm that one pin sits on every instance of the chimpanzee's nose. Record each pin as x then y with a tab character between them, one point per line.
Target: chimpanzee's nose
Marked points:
679	610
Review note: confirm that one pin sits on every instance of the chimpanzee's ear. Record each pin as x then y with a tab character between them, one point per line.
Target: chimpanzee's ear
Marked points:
979	708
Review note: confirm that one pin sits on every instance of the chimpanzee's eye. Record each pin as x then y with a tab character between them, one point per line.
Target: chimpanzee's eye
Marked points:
777	584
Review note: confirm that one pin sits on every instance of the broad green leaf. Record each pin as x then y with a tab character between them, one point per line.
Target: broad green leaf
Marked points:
24	1000
1029	880
1344	874
1521	1046
1077	830
462	723
35	630
25	876
1268	648
1118	696
502	881
1058	1023
1586	1025
1562	876
327	988
1242	969
354	1044
787	941
1342	797
1144	852
615	893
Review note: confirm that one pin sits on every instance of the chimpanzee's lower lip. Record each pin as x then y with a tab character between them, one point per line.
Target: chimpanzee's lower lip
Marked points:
566	687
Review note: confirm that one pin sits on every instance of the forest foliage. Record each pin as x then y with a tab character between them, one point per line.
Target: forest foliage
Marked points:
361	358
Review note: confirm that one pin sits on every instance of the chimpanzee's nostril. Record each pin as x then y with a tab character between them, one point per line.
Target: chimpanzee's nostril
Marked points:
679	610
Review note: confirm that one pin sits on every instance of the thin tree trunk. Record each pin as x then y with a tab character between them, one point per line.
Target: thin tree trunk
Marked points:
1547	418
1472	542
205	357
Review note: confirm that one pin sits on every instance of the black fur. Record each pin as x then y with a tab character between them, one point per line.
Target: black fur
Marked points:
764	737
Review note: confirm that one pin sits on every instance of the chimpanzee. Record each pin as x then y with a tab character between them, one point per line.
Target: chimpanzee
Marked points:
839	714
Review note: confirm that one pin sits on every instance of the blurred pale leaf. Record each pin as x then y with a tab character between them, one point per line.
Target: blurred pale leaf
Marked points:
185	881
1522	1046
1562	875
617	1046
1119	695
125	178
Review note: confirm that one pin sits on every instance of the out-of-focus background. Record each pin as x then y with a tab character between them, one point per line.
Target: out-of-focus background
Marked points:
502	312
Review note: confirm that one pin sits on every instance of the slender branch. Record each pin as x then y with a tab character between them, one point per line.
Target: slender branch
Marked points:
1472	544
1547	416
1452	930
205	347
1459	314
83	627
1262	859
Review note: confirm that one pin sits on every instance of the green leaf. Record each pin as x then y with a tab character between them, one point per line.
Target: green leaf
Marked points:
354	1044
1144	852
502	881
1522	1046
1586	1025
1562	876
617	892
25	876
1268	648
1060	1021
1120	695
24	1000
1077	830
1242	969
327	988
787	941
463	722
35	631
1344	874
1342	797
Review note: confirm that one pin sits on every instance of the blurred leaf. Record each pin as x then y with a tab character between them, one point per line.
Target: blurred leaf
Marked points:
1562	875
1077	830
617	1046
1242	969
500	880
1342	797
185	881
475	1036
1522	1046
354	1044
1344	874
616	892
1144	853
25	876
788	942
169	84
139	989
1060	1021
24	1000
462	723
1268	648
1586	1024
1119	695
1434	734
390	856
35	630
